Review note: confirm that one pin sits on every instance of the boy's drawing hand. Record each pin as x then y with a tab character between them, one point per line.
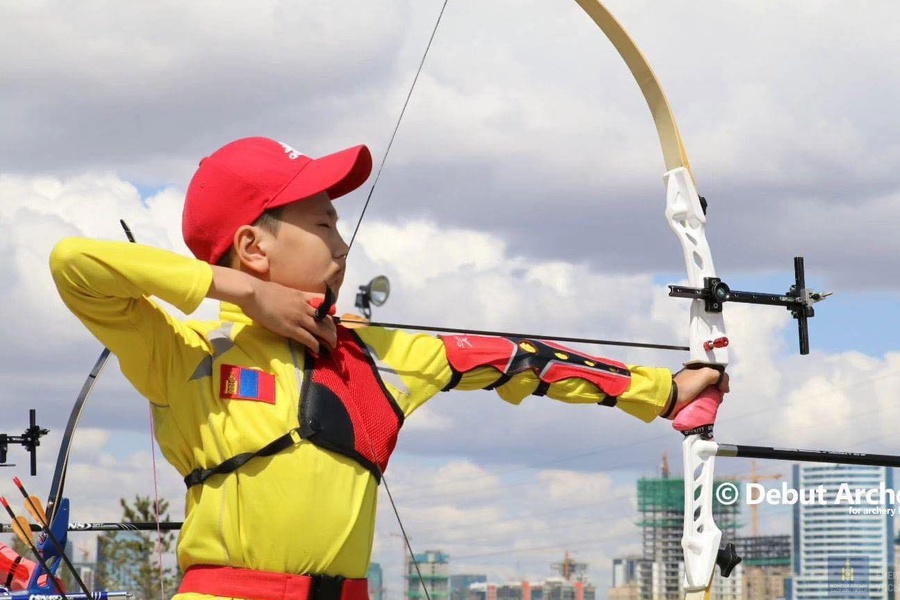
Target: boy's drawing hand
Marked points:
290	313
279	309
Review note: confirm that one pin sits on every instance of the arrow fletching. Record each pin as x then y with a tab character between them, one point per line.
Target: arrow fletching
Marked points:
33	504
34	508
22	528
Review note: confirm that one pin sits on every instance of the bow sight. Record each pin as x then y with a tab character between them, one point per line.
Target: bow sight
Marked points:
30	439
798	300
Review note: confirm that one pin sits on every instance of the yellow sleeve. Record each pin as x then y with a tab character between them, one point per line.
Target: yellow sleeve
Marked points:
645	398
108	286
415	368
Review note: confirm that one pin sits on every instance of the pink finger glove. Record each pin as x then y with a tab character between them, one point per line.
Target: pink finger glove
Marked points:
700	412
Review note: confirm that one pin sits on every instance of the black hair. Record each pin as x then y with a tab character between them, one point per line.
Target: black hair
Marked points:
269	221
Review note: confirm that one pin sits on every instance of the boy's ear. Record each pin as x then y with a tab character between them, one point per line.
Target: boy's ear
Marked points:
250	250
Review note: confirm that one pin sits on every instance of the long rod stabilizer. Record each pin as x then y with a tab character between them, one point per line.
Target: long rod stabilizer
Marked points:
820	456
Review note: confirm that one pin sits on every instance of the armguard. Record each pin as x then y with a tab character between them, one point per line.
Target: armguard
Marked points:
550	362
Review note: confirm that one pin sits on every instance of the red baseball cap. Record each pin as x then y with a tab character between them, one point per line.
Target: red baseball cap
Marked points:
237	183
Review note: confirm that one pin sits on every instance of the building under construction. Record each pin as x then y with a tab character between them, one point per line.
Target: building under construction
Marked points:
661	505
428	576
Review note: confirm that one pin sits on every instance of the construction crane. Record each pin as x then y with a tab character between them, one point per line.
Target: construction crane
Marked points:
569	568
756	477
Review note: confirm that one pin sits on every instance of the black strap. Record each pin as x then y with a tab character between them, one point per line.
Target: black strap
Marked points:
504	377
12	572
455	378
327	587
541	389
284	442
673	400
609	401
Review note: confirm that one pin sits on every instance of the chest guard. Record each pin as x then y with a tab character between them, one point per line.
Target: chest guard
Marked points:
345	408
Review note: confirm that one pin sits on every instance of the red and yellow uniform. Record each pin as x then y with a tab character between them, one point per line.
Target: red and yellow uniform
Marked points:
191	373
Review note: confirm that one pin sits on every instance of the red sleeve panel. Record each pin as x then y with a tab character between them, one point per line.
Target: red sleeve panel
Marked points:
550	362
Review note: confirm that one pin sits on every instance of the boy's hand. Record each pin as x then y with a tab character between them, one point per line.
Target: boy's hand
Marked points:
289	313
279	309
691	382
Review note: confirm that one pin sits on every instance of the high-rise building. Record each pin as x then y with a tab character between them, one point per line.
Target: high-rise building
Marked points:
625	570
766	562
843	548
430	569
375	578
625	574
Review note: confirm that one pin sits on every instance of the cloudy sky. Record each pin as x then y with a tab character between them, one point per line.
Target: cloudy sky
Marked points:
523	192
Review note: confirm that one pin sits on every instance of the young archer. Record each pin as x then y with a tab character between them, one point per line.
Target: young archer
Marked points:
281	424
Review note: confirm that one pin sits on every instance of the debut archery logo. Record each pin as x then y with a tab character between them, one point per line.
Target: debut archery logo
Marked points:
859	501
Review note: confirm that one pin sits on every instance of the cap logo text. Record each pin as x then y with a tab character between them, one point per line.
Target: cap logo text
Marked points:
292	154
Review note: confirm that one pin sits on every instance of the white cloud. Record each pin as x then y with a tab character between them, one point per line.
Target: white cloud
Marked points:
849	404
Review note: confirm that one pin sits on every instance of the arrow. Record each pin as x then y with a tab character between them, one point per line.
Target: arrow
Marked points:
102	526
353	320
24	595
32	505
22	530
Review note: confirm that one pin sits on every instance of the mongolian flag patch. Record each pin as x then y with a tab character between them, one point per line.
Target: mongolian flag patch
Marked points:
241	383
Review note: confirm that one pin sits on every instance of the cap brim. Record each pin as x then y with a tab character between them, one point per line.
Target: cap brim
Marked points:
338	174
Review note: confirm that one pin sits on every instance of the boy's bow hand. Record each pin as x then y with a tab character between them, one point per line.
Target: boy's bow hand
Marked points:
693	381
690	383
292	314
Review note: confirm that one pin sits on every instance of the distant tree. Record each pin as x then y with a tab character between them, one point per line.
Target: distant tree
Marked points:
130	560
20	547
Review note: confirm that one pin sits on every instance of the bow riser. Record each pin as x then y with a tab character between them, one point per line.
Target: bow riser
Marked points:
701	536
708	342
686	217
700	539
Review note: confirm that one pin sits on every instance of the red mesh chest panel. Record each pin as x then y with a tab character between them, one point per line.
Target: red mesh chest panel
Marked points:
345	408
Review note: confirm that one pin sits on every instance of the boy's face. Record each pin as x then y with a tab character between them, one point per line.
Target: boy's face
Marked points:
308	252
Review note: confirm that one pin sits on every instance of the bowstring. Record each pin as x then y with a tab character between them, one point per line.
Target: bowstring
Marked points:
397	125
412	87
159	534
159	540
